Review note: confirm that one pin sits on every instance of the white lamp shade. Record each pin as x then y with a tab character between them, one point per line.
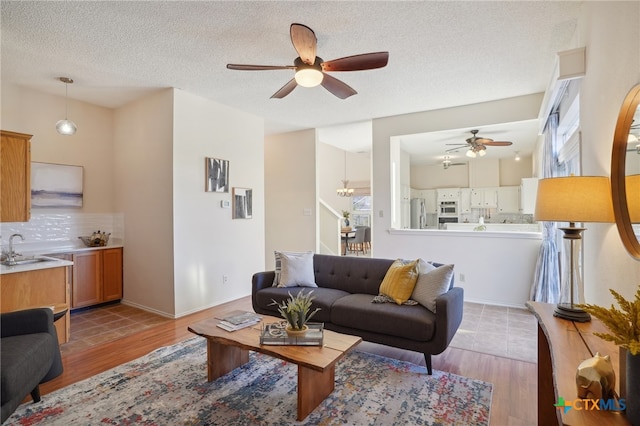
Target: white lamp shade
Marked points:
66	127
574	199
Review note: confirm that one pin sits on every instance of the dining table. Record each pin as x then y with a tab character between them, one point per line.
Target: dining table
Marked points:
345	234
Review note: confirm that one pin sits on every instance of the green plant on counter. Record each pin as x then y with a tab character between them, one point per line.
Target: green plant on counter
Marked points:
624	324
297	310
345	214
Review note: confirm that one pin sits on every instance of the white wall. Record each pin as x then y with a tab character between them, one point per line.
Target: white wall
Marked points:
36	113
208	243
290	188
611	34
143	139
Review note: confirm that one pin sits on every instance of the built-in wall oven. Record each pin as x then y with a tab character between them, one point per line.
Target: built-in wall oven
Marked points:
448	208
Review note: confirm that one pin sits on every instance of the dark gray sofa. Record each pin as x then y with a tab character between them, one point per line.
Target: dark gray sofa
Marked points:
29	355
346	287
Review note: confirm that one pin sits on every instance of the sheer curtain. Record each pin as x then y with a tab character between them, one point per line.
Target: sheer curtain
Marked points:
546	280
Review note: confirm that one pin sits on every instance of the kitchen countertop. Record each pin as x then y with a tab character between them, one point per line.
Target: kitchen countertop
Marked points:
51	262
41	250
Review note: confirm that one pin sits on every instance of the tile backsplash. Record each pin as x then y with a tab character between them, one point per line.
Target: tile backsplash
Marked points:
61	230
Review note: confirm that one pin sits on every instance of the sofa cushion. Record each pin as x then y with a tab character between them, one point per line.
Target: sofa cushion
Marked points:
399	281
431	285
323	298
25	360
351	274
410	322
296	270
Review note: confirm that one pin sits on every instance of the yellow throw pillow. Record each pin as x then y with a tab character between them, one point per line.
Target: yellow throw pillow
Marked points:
399	281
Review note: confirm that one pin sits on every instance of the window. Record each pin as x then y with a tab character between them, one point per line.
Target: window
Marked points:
361	203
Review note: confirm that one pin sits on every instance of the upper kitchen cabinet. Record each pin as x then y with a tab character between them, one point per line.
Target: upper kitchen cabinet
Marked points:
15	172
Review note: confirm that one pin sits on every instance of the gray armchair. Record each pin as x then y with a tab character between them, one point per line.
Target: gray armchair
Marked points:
29	355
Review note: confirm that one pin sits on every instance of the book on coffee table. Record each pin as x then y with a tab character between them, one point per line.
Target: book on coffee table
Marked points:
275	334
237	320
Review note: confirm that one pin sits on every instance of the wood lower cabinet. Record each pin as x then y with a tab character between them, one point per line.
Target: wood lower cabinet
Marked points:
38	288
15	182
97	277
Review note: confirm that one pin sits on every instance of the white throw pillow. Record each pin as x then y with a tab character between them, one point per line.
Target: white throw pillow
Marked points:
297	270
431	285
278	267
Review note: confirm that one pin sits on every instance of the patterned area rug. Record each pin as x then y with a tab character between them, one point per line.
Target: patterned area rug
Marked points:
169	387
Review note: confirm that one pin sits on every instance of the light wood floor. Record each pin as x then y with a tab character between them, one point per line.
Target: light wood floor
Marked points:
515	382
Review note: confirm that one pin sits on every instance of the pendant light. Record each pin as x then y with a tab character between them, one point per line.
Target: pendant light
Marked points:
345	191
66	126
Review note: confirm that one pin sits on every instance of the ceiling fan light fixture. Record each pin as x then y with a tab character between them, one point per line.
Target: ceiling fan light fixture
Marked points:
66	126
309	77
482	153
471	154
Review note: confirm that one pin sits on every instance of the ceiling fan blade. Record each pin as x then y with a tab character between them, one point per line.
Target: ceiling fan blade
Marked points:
337	87
285	90
456	144
305	42
244	67
497	143
365	61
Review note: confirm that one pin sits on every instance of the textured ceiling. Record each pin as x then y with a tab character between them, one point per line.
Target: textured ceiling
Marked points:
442	54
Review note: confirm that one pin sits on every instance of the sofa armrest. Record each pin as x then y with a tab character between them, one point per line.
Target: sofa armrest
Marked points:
259	281
449	307
28	321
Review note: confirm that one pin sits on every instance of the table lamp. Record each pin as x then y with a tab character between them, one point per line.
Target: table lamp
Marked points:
573	199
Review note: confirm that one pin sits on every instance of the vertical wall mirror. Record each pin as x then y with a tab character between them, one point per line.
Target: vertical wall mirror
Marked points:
625	172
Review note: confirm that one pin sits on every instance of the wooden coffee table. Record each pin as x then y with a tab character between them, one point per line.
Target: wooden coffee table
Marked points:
316	365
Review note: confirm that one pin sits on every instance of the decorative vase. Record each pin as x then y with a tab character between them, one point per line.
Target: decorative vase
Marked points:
346	222
633	388
296	333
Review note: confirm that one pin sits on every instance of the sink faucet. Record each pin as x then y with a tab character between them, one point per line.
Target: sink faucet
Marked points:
12	254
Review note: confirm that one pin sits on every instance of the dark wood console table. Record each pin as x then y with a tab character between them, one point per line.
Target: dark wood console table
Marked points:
562	345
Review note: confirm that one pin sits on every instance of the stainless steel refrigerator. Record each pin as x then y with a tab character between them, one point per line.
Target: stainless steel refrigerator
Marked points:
418	214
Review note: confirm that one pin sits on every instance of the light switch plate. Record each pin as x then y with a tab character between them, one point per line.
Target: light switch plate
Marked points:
225	204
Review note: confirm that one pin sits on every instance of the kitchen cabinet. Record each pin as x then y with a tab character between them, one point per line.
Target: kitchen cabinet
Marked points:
528	193
465	200
15	183
509	199
38	288
448	194
484	198
97	277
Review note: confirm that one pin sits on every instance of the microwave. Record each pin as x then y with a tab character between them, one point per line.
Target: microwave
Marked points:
448	208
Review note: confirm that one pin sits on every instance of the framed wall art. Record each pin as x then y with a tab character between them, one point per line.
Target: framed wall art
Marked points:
242	203
56	185
216	173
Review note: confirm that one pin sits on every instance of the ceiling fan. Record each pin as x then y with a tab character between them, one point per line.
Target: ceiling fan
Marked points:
311	69
446	163
478	145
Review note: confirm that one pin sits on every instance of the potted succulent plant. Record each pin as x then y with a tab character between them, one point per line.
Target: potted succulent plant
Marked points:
297	312
624	325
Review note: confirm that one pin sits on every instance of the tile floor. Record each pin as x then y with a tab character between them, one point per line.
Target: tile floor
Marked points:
498	330
106	323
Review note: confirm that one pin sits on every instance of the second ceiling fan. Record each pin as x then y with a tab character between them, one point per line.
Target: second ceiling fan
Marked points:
311	69
478	145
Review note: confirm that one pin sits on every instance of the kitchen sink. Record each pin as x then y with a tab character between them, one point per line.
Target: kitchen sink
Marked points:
26	261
